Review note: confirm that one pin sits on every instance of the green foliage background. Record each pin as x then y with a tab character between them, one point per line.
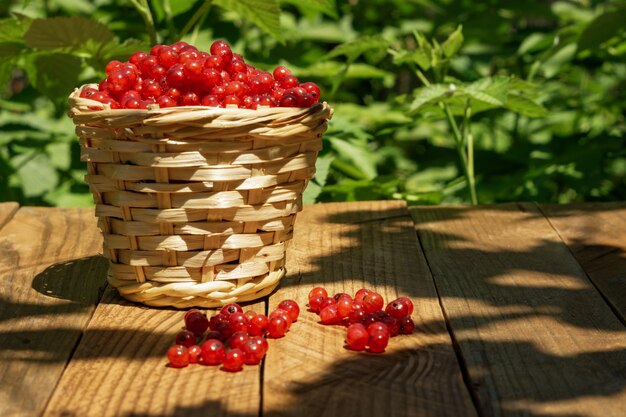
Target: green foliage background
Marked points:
523	100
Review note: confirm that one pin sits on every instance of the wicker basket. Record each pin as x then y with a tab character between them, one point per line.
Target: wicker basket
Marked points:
196	204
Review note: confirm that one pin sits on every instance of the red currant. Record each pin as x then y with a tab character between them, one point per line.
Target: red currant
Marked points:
360	295
344	306
138	57
238	322
196	322
210	100
185	338
166	101
373	302
189	99
406	325
188	55
214	61
257	325
406	301
167	56
178	356
233	361
281	313
229	309
232	100
238	339
176	76
312	89
378	341
261	341
252	352
222	49
281	72
213	352
249	315
357	337
195	352
315	303
277	327
289	81
291	307
330	315
317	292
397	309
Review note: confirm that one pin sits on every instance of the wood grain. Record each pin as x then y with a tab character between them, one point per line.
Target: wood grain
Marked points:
120	369
344	247
596	235
51	280
536	336
7	210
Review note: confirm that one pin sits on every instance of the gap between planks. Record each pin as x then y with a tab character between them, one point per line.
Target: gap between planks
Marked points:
536	336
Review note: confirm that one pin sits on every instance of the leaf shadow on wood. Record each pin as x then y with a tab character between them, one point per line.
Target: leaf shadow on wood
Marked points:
80	280
552	291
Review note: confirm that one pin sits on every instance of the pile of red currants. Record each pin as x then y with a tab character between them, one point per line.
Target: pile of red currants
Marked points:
181	75
369	326
231	338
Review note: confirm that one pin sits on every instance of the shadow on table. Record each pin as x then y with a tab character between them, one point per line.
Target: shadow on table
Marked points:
598	374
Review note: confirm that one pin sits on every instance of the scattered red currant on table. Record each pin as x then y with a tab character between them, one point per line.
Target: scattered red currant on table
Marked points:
180	75
230	338
368	325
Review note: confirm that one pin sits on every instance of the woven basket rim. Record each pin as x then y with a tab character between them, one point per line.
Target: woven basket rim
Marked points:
79	106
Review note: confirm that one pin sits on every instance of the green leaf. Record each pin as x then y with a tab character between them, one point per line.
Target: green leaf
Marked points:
65	32
10	49
310	194
553	65
602	28
55	75
417	56
535	42
429	95
424	46
6	69
121	51
263	13
525	106
454	42
328	7
179	7
36	173
60	155
353	49
322	166
13	30
362	159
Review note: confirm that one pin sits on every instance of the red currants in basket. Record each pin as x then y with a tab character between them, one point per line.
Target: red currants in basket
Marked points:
368	325
181	75
230	338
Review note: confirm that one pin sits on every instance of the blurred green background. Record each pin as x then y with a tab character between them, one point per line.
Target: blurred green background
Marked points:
436	101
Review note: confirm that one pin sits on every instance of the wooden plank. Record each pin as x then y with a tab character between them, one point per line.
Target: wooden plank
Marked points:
51	280
120	369
344	247
596	235
7	210
536	336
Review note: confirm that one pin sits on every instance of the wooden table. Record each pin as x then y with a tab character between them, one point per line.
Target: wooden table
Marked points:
520	310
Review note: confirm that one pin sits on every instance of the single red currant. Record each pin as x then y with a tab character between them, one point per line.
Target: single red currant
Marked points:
257	326
196	322
407	325
291	307
137	58
238	322
408	303
166	101
195	352
233	361
373	302
378	341
210	100
316	292
330	315
277	327
281	72
357	337
237	340
360	295
397	309
252	352
213	352
185	338
229	309
178	356
189	99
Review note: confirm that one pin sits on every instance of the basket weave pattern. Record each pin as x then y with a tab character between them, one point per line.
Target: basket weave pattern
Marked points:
196	204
